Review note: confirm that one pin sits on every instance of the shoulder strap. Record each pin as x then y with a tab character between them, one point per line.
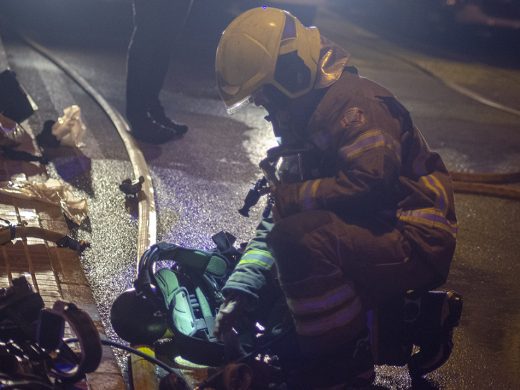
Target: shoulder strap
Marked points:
195	259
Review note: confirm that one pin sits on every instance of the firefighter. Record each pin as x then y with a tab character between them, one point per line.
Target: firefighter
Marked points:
366	215
156	24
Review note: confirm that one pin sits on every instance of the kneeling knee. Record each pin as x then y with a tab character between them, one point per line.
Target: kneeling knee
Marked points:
291	231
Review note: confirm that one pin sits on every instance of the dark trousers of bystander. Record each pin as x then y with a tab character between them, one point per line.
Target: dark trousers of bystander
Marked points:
157	23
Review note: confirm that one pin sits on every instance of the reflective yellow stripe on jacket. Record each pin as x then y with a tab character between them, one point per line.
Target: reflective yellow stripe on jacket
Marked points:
324	302
430	217
258	257
368	140
316	315
326	322
441	197
308	192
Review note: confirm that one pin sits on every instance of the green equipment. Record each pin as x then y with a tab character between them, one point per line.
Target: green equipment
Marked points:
182	299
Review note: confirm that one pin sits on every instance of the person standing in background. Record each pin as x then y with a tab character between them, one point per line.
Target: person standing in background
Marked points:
157	23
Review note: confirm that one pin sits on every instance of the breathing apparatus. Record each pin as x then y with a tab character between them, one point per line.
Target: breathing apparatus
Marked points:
180	301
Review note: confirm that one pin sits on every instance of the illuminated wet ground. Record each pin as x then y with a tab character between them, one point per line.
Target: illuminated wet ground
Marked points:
201	179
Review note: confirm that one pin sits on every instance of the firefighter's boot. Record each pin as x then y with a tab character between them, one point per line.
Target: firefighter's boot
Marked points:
352	366
440	314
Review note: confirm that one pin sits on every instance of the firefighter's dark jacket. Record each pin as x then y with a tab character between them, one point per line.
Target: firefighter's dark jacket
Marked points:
371	161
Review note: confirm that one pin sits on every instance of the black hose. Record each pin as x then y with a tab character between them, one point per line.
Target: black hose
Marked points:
126	348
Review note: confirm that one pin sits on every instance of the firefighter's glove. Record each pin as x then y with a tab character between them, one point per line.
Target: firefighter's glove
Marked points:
286	202
229	314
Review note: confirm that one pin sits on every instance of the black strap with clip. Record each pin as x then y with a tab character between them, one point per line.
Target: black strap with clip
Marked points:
9	232
67	364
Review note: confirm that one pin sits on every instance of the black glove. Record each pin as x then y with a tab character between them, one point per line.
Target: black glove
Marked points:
229	313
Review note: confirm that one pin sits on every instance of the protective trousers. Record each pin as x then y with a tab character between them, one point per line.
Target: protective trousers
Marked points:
156	25
332	270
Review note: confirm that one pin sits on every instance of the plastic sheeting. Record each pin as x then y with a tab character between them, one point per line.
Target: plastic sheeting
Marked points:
52	191
69	129
9	131
7	124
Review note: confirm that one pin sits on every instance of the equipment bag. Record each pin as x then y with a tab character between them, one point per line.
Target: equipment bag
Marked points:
15	103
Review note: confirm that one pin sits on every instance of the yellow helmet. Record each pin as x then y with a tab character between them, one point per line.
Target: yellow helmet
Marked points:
266	46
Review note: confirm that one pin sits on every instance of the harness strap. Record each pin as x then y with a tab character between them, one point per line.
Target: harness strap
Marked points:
50	337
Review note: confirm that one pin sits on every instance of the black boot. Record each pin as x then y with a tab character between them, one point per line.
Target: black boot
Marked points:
352	366
144	128
158	115
440	314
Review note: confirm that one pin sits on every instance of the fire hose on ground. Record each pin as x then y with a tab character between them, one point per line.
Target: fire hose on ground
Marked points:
9	232
491	184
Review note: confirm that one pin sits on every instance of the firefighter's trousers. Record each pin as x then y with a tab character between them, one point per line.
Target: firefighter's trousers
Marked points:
332	270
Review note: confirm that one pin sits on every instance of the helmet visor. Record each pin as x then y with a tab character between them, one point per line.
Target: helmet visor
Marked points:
238	106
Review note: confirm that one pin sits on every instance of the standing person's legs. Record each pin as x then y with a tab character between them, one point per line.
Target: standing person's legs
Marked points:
156	25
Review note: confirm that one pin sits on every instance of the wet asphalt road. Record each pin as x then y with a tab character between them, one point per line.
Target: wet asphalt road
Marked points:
201	179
